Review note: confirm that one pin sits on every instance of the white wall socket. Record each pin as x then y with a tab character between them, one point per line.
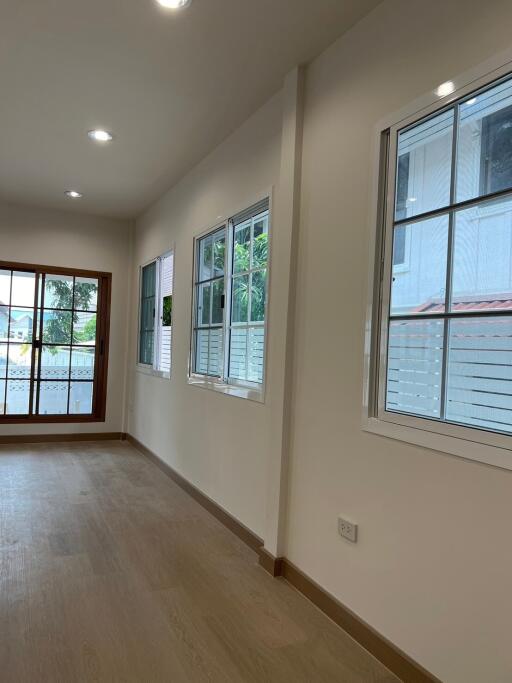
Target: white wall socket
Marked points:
347	529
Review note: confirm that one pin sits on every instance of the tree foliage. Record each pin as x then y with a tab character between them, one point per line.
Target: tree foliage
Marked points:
241	284
167	311
59	295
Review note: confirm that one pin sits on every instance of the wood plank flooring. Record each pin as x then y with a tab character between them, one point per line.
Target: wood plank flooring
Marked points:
110	572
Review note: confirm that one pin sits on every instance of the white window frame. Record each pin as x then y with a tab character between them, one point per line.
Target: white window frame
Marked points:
224	384
470	443
153	368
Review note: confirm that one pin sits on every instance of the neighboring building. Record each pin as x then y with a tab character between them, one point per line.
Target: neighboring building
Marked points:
21	328
4	321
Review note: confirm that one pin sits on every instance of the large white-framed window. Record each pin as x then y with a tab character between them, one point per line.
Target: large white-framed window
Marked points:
230	304
441	357
155	315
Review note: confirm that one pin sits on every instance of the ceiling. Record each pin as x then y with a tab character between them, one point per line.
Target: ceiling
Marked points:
171	85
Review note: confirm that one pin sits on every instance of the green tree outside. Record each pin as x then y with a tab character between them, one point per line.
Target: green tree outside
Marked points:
57	329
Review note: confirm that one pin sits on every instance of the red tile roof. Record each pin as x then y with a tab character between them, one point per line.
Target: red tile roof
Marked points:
491	302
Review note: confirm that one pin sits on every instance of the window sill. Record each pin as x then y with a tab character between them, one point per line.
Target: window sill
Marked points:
147	370
49	419
497	456
236	390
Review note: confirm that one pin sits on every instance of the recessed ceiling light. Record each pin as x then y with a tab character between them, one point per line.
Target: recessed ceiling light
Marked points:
100	135
174	4
445	89
73	194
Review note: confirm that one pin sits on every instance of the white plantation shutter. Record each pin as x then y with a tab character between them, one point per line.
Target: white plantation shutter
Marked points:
165	334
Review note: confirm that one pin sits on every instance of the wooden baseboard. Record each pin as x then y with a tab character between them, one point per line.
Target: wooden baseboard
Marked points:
392	657
272	565
382	649
245	534
60	438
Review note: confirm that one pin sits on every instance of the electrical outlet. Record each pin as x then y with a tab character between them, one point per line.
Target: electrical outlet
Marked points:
347	529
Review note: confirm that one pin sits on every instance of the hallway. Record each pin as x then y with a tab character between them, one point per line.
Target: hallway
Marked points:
110	572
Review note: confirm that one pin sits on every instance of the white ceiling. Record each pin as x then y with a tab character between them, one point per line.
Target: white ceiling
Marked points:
170	85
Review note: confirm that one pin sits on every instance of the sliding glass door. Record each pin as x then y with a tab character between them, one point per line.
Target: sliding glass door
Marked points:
53	337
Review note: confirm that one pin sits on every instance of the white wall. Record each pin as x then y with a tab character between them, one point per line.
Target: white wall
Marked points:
432	568
219	443
57	238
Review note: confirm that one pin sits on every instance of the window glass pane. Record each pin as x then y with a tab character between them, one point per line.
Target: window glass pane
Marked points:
147	341
202	345
421	287
484	151
86	294
80	398
53	398
240	302
203	307
82	363
217	308
402	184
260	243
219	255
242	248
209	350
424	166
58	291
246	354
256	354
149	280
18	395
55	362
238	353
216	349
57	327
415	361
482	263
480	373
84	328
3	361
205	258
147	314
4	322
23	289
2	396
258	295
167	311
399	245
22	325
20	361
5	287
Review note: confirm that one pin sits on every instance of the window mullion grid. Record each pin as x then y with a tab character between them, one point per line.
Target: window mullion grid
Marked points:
41	330
449	264
229	258
33	351
9	309
71	342
479	200
210	304
156	320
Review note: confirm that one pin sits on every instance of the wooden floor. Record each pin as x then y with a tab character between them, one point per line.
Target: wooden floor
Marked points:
110	572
